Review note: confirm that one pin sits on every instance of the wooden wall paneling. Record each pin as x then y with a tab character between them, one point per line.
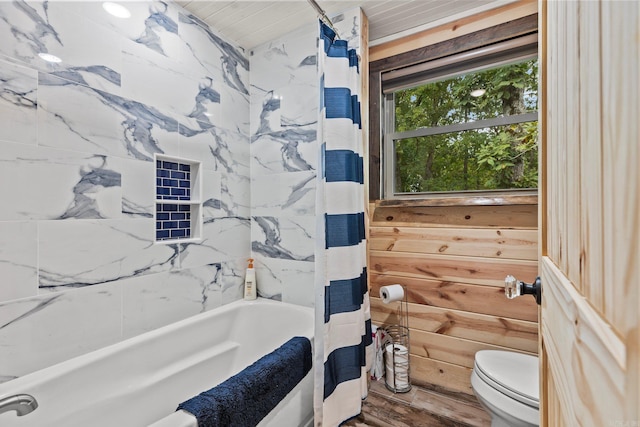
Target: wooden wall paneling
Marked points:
473	270
375	135
459	296
621	183
560	183
620	115
452	255
586	357
457	28
517	216
448	349
550	133
543	173
447	375
590	92
511	333
554	410
573	138
364	104
490	243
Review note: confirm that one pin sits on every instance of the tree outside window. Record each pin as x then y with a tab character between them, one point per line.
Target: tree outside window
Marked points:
480	133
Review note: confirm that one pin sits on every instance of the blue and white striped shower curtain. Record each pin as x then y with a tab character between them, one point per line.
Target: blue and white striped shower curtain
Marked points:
343	324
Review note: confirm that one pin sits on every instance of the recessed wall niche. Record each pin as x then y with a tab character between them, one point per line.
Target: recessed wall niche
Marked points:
178	212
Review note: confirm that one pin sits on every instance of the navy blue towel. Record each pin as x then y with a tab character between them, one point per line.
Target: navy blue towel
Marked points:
246	398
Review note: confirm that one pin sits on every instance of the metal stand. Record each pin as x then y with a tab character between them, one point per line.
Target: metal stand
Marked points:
396	351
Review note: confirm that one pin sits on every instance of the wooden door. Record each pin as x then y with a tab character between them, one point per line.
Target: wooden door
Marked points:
589	211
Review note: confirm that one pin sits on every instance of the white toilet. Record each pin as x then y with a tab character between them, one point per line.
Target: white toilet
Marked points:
506	384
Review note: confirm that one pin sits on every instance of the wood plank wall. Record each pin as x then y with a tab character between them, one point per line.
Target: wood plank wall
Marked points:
591	191
453	258
453	261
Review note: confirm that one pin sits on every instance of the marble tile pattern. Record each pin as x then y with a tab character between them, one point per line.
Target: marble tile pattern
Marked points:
79	265
78	260
284	159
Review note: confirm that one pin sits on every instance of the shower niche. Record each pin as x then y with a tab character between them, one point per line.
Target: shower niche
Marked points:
178	201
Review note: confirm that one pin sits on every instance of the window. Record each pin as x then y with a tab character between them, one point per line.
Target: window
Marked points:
178	202
463	123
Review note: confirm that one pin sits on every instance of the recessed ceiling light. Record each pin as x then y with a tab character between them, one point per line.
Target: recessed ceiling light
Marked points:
49	58
116	9
478	92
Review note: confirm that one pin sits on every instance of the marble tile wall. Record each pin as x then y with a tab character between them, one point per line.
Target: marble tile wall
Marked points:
78	265
284	159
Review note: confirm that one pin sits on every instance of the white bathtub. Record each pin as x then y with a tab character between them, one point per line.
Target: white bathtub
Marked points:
141	381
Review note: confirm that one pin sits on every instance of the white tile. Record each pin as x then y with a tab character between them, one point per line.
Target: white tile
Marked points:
152	24
138	188
212	195
84	253
43	183
218	149
153	79
236	195
223	239
285	280
284	194
18	260
40	331
291	149
78	118
155	300
218	57
18	103
287	238
288	60
268	277
90	54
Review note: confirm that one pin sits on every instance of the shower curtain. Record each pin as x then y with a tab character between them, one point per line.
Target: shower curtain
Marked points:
343	329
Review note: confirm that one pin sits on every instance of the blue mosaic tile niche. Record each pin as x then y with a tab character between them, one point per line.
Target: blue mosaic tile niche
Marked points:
173	180
173	183
173	221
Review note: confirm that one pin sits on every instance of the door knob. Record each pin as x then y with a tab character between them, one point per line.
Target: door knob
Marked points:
514	288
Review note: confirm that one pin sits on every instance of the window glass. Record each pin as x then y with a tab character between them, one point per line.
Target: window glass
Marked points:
474	131
499	157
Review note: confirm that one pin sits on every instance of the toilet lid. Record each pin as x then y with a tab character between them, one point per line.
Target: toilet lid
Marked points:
513	374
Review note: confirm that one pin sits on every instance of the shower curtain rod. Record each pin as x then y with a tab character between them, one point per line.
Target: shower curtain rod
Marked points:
323	16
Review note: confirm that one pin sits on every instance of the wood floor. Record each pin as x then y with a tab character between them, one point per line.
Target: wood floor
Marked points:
420	407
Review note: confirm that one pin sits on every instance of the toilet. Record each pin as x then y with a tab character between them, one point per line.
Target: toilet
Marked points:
506	384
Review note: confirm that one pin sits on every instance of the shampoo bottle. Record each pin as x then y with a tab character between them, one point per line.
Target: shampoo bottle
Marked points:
250	282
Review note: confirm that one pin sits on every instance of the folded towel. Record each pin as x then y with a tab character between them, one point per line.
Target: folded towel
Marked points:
246	398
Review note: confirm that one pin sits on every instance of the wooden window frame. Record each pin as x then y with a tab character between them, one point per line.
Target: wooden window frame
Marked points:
515	28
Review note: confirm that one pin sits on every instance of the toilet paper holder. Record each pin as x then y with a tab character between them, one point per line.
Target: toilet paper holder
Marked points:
396	343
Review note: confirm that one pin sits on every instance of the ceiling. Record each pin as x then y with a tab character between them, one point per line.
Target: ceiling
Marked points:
252	23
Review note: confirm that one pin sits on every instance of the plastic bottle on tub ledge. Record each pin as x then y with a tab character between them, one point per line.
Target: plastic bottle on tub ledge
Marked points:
250	282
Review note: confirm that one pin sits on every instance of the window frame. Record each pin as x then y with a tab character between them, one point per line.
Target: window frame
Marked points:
525	26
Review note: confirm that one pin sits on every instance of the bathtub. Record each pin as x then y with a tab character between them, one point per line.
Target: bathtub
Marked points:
141	381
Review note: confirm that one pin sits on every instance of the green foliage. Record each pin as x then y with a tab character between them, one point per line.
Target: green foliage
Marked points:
501	157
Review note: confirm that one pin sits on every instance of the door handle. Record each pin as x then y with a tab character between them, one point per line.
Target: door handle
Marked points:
514	288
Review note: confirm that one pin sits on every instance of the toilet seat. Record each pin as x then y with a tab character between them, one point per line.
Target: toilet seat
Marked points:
513	374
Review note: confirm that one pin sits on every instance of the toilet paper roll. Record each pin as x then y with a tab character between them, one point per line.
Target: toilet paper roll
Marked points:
391	293
397	366
397	353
